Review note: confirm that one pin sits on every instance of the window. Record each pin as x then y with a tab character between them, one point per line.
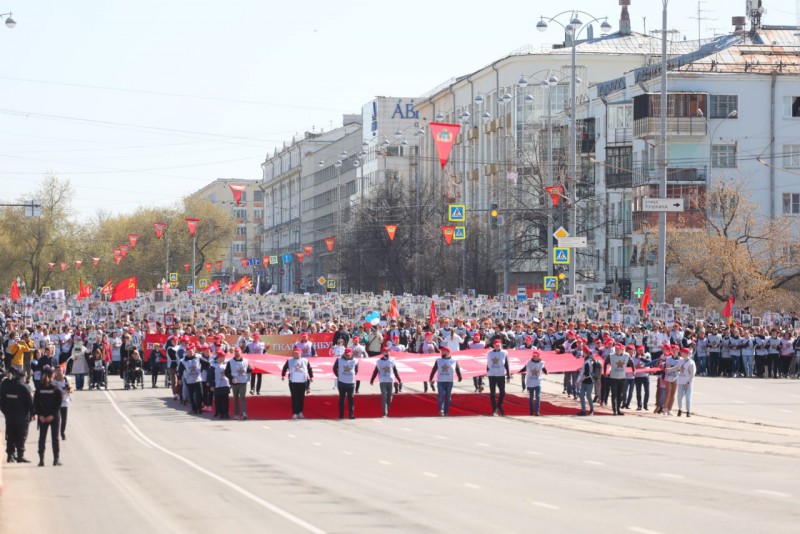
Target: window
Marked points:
791	203
791	106
258	213
258	196
241	230
723	155
791	156
240	213
720	106
239	248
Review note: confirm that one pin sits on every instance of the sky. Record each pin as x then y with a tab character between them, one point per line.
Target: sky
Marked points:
142	103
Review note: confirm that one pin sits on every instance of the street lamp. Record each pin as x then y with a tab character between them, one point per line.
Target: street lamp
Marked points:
10	23
573	30
192	224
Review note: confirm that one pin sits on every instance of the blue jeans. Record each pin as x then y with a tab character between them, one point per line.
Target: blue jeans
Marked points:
628	395
702	365
445	390
79	381
586	397
535	398
748	361
642	383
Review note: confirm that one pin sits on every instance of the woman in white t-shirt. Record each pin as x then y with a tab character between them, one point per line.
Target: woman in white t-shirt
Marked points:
686	370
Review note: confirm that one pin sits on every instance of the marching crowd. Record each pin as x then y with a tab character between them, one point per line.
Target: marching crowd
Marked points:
616	362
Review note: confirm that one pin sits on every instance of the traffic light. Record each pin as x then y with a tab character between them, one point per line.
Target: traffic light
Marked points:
493	214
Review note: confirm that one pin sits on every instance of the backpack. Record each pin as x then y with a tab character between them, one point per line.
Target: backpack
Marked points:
597	371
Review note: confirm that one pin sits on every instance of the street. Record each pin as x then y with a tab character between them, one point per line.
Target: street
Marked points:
134	461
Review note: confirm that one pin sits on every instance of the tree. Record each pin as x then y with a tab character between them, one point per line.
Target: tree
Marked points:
735	250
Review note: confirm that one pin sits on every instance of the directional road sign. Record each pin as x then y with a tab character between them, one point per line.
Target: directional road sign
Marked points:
662	204
460	233
551	283
572	242
561	256
456	213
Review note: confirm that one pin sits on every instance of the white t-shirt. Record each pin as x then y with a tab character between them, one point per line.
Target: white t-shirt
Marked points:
533	373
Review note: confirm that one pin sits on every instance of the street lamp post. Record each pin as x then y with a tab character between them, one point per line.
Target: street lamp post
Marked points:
10	23
573	30
192	224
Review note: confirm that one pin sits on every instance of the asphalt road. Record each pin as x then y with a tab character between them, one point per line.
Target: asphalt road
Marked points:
135	463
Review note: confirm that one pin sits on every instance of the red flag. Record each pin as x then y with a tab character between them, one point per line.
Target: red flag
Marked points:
432	320
124	290
244	263
329	241
160	227
63	266
213	288
14	291
132	238
308	249
123	250
728	311
393	312
241	284
300	256
186	267
448	231
555	193
165	287
391	229
646	299
95	261
78	264
237	191
192	224
209	266
219	265
106	289
444	137
265	261
85	290
52	266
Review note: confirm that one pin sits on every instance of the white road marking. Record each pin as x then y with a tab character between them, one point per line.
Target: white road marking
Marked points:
785	411
534	453
111	393
266	428
739	402
593	462
432	475
483	445
771	493
317	444
137	438
472	486
347	453
384	462
222	480
440	437
671	475
407	429
290	436
545	505
641	530
749	387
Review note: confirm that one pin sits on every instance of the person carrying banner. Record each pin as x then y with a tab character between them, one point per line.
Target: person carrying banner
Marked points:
429	346
345	368
532	372
300	374
618	361
255	347
446	367
686	371
498	373
384	368
238	372
476	343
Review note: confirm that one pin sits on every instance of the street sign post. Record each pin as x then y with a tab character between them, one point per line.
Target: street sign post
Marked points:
551	283
561	256
573	242
662	204
456	213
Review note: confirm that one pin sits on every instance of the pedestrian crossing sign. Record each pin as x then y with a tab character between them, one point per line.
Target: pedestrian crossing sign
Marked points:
561	256
456	213
202	283
273	260
173	277
331	284
460	233
551	283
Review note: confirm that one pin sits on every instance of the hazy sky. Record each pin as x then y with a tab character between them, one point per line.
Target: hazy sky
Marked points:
144	102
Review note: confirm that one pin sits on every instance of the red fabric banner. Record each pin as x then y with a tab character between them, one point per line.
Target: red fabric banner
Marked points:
85	291
329	241
213	288
300	256
15	291
242	284
63	266
95	261
159	227
192	224
219	265
646	299
237	191
244	262
444	137
391	230
449	231
393	312
124	290
133	238
78	264
209	266
432	318
265	261
186	267
307	249
555	193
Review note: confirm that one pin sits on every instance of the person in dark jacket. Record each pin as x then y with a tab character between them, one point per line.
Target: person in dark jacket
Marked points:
17	407
47	406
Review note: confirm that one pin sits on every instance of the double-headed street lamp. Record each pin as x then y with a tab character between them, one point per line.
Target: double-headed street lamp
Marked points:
573	30
10	23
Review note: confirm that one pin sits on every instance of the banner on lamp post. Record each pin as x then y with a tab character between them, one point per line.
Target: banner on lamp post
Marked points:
391	230
133	238
444	137
192	224
307	249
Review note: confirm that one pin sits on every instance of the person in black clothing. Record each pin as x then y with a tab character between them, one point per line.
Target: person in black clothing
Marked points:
341	334
17	407
155	363
47	406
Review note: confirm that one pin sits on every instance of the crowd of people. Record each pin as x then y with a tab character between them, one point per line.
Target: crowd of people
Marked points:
204	368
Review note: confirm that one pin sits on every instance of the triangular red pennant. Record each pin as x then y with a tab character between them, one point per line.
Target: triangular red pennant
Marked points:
159	226
63	266
265	261
219	265
192	224
237	191
209	265
52	266
95	261
329	241
308	249
448	231
78	264
186	267
244	262
391	229
300	256
444	137
555	193
133	238
123	250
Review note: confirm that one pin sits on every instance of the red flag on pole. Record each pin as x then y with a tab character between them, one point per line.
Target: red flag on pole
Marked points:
265	261
449	231
63	266
106	289
186	267
124	290
165	287
307	249
432	320
555	193
219	265
52	266
728	311
15	291
78	264
160	227
391	229
239	285
237	191
444	137
329	241
85	291
244	263
646	299
133	238
393	312
213	288
95	261
192	224
209	265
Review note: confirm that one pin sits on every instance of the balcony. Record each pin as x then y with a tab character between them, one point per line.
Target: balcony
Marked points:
619	229
619	137
622	180
650	127
645	175
683	117
618	274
